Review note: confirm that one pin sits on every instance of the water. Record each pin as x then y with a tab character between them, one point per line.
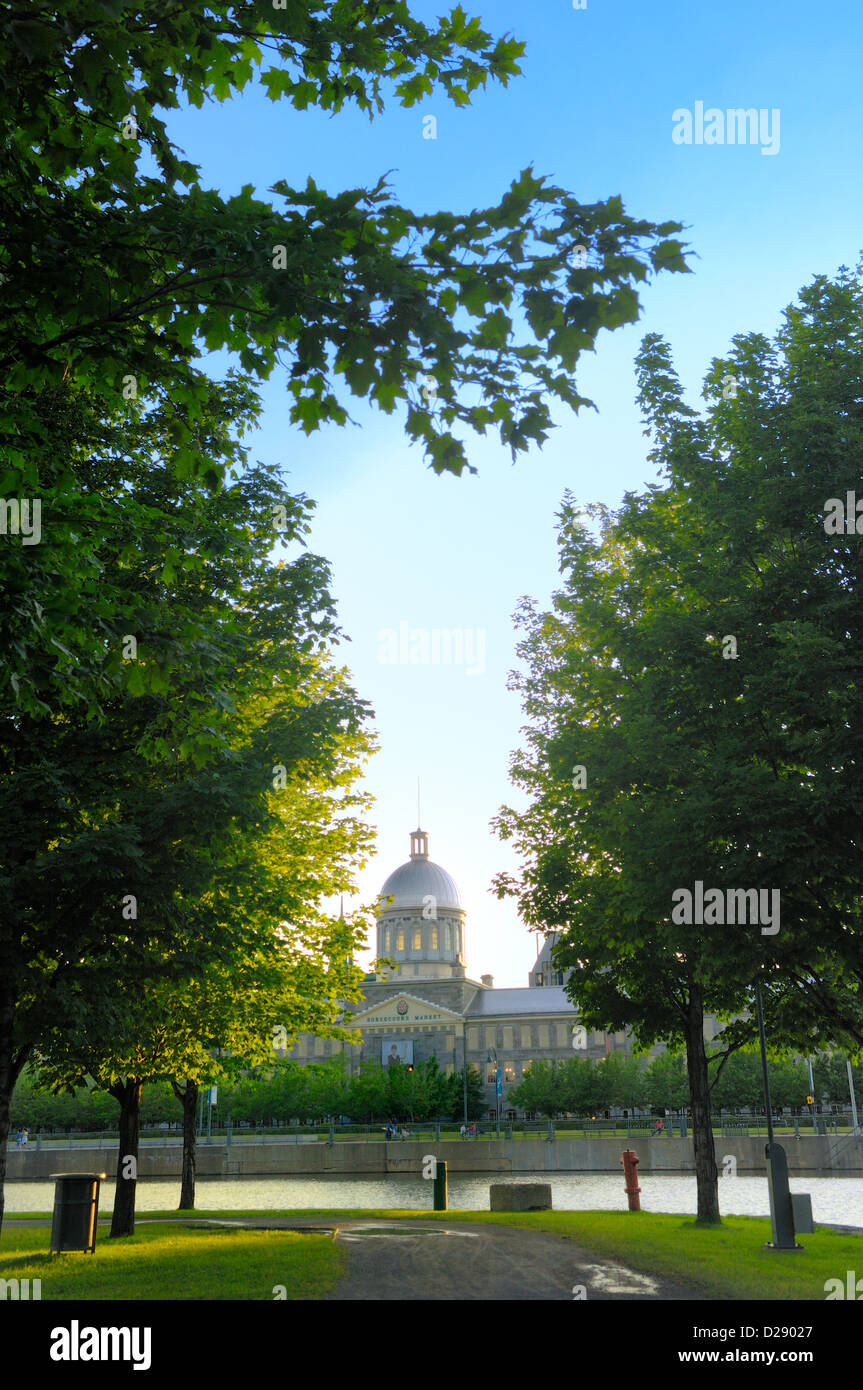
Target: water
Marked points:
836	1199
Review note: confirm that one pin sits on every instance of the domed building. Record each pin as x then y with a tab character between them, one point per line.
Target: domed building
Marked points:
420	1002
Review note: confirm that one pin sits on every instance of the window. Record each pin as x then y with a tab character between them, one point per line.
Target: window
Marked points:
509	1073
491	1074
447	939
539	978
418	940
401	940
434	938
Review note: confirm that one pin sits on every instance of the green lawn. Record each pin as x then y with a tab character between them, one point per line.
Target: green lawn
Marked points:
163	1262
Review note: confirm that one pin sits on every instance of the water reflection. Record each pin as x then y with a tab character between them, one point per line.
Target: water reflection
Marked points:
834	1199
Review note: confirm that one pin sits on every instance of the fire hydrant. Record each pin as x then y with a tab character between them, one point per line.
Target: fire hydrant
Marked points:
630	1172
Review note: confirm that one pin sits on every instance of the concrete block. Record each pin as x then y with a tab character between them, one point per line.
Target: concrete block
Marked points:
520	1196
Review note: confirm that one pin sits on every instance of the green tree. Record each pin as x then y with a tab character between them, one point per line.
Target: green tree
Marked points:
455	1097
368	1093
118	272
700	664
540	1091
620	1081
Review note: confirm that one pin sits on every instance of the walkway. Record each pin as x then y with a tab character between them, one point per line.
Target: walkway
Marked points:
423	1261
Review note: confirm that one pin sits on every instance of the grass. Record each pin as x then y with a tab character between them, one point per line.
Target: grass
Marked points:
725	1262
162	1263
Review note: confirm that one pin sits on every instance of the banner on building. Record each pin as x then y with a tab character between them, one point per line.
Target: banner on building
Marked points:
397	1050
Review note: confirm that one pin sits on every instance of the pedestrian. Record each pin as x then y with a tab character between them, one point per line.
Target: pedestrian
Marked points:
25	1134
18	1140
462	1132
404	1131
659	1127
389	1130
473	1130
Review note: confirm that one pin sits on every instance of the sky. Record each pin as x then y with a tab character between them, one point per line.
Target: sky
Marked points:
594	110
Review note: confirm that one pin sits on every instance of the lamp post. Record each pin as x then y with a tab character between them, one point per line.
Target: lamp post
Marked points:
856	1125
498	1088
812	1094
781	1207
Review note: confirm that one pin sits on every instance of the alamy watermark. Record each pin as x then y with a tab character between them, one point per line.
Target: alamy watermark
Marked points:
436	646
16	519
728	907
737	126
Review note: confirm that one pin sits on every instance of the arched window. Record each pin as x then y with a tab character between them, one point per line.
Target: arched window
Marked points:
418	940
447	939
434	938
401	940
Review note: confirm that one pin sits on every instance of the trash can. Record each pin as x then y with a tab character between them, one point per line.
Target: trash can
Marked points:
76	1206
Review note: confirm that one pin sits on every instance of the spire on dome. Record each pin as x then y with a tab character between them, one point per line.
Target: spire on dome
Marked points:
419	844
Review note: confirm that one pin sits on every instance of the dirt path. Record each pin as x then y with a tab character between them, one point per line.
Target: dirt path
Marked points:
422	1261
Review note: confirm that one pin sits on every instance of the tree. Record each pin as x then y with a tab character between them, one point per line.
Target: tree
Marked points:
666	1086
368	1095
115	280
153	816
699	664
539	1090
454	1102
620	1081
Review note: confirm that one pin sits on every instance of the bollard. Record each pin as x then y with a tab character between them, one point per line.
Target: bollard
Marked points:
630	1161
439	1185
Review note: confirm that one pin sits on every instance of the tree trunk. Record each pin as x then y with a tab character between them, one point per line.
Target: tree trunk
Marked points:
706	1172
188	1096
11	1062
128	1093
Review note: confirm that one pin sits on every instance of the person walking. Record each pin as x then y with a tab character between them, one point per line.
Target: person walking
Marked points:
463	1132
18	1140
25	1135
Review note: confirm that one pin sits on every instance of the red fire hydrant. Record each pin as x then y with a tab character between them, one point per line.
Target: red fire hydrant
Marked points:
630	1172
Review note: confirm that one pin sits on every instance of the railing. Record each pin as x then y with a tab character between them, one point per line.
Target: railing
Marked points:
630	1127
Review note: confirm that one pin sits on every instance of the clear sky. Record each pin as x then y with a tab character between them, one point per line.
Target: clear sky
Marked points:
593	110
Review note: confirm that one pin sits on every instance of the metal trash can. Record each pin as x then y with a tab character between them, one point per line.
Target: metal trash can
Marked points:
76	1207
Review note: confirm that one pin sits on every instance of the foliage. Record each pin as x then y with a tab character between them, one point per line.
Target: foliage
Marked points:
702	765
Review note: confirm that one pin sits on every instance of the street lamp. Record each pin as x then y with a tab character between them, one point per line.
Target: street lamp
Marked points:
781	1207
498	1088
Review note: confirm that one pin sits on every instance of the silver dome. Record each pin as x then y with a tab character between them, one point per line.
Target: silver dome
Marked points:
413	883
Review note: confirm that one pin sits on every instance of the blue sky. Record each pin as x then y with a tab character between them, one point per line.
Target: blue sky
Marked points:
593	110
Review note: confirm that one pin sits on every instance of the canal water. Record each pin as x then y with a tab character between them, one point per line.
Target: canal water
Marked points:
835	1199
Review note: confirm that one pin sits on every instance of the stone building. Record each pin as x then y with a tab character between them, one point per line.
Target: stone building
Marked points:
423	1004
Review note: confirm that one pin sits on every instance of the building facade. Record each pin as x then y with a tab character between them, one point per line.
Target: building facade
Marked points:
420	1003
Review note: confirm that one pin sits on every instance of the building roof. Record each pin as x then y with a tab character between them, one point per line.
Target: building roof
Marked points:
539	999
417	881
